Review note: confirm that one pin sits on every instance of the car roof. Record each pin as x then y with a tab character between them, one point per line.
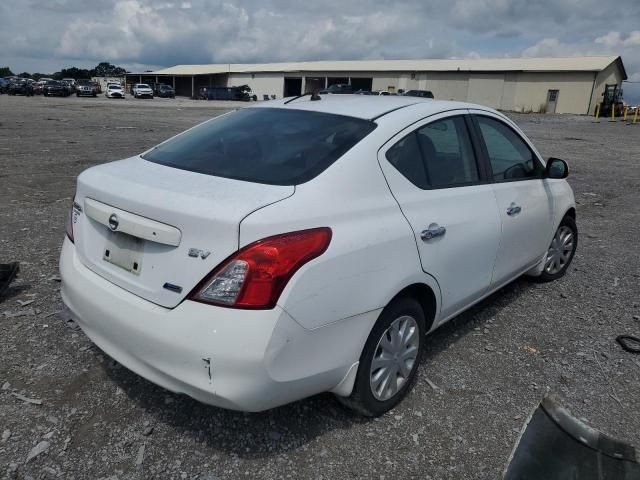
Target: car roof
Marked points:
367	107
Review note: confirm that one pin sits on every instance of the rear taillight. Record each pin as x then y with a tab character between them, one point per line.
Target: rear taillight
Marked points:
72	218
256	275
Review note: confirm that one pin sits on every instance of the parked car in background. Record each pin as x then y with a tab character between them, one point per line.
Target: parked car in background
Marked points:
85	88
71	82
239	94
342	88
4	85
67	87
304	246
418	93
165	91
114	91
141	90
54	88
21	87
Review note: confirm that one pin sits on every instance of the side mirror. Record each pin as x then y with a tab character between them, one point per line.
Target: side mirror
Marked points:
556	168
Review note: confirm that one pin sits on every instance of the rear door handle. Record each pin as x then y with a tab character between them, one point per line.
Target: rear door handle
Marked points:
513	210
432	232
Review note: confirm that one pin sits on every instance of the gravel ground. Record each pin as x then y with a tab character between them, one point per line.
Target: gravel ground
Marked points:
86	417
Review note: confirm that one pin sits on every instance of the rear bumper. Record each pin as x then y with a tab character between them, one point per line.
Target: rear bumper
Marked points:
235	359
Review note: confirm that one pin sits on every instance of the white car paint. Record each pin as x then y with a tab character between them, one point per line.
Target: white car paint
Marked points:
311	341
114	91
206	213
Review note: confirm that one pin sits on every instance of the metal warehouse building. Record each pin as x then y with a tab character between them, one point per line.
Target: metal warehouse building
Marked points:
560	85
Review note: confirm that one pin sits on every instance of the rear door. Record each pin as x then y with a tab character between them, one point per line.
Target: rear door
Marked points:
433	173
524	202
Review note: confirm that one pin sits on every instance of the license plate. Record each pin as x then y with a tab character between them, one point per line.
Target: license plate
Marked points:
124	251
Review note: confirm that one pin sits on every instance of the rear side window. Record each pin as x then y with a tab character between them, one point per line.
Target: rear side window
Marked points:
448	153
510	157
264	145
437	155
406	157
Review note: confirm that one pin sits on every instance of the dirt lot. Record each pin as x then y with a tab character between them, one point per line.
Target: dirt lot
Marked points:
491	365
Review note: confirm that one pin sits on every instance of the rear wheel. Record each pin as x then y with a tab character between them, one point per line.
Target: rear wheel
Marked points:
561	251
390	359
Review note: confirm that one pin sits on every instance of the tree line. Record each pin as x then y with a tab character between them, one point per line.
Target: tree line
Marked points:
103	69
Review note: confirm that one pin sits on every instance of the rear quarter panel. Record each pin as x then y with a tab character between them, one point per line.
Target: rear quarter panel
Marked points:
372	255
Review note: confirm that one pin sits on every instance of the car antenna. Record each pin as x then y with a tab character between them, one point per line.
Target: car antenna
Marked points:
296	98
314	97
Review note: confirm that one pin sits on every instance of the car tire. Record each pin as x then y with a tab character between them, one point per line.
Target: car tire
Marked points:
561	251
368	399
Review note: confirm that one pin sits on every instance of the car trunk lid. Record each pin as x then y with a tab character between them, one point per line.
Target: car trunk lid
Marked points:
156	231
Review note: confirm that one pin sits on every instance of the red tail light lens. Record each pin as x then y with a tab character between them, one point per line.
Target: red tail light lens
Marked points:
255	276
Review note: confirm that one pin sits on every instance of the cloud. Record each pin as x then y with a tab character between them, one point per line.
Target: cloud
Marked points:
550	47
46	35
616	40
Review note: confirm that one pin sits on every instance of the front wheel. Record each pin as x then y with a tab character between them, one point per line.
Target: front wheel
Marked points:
390	359
561	251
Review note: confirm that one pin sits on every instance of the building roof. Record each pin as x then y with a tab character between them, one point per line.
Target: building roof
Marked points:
364	106
549	64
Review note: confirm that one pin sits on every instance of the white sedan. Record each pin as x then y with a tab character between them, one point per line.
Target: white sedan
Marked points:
309	245
114	91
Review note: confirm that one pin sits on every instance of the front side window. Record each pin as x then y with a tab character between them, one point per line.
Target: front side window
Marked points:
264	145
510	157
437	155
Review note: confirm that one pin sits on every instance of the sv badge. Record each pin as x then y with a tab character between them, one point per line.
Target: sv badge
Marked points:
196	252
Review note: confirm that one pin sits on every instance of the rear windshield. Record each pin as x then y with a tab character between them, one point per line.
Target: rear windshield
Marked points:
264	145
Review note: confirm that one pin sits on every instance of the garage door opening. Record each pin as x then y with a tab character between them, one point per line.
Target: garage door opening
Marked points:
292	87
361	84
335	80
313	84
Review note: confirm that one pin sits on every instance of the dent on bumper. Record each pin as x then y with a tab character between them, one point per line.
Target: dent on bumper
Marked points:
236	359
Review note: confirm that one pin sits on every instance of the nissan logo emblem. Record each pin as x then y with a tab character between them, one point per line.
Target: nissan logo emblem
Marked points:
113	222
